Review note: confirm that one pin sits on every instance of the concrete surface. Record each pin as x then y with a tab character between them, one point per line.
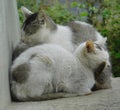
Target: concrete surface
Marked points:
108	99
9	35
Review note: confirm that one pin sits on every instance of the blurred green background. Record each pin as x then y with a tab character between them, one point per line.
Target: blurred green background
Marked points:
103	14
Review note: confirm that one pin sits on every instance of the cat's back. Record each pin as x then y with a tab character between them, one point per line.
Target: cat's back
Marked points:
83	31
48	58
51	51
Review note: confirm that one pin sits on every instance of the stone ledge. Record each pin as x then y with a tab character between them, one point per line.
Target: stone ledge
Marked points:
108	99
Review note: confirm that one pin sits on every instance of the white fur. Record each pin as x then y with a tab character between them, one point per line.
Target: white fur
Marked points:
54	68
62	36
26	12
101	41
83	23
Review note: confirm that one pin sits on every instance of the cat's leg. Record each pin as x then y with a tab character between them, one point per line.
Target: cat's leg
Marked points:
52	96
85	91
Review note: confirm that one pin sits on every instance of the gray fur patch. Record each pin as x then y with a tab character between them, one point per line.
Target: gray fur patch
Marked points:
99	70
50	23
82	32
21	47
20	73
102	77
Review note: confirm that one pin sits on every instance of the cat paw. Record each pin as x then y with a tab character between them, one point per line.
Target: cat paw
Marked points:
86	92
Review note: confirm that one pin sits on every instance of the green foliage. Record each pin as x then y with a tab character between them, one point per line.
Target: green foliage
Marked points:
60	13
106	18
30	4
110	28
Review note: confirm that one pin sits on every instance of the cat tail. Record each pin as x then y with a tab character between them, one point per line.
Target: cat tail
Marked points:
50	96
53	96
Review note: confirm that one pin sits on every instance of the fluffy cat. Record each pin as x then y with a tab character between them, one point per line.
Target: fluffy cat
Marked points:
42	71
39	28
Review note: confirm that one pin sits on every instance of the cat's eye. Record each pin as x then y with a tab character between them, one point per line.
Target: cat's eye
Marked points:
35	22
98	47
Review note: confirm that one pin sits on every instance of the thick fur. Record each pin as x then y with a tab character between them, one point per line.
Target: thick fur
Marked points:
39	28
52	69
102	77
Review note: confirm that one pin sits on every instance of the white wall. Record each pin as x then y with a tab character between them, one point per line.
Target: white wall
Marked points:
9	35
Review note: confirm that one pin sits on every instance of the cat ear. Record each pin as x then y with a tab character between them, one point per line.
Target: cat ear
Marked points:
90	46
41	17
102	41
26	12
41	14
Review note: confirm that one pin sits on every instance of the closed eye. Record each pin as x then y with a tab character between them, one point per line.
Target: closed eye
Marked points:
35	22
98	47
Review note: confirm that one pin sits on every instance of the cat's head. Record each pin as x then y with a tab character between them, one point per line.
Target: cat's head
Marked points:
35	22
93	54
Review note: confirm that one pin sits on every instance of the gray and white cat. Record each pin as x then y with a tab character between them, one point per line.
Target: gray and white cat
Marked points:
39	28
49	71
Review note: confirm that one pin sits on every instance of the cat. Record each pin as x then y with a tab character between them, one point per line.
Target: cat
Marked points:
39	28
49	71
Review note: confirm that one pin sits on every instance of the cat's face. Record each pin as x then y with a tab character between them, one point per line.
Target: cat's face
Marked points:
94	54
33	23
37	27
